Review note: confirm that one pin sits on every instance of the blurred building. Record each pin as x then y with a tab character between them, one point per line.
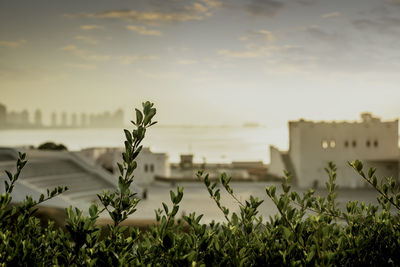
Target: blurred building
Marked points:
107	119
24	116
150	164
118	118
18	119
53	119
74	120
49	169
186	161
64	119
83	120
3	114
313	144
37	119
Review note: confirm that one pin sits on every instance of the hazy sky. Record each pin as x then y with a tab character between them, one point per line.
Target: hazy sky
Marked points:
203	61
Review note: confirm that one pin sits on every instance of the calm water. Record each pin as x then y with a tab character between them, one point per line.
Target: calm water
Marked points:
215	144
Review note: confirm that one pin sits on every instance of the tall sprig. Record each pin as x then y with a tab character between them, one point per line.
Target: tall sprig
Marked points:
122	202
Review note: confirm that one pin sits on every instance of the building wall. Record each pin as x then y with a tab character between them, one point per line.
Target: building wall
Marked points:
295	147
314	144
149	165
3	114
277	165
37	120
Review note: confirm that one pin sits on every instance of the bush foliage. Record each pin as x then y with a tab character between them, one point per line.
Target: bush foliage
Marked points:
308	229
52	146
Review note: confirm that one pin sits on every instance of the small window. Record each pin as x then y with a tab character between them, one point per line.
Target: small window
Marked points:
376	143
151	167
354	143
346	143
146	168
332	143
368	143
324	144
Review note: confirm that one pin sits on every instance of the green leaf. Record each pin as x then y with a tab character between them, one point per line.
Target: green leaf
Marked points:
93	210
121	168
371	172
9	175
174	210
149	116
165	207
286	232
310	255
168	241
374	181
357	165
172	195
139	116
128	136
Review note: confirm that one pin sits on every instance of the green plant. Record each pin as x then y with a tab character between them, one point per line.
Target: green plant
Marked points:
308	229
52	146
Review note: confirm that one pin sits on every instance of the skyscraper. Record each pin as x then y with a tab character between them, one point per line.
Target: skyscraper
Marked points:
3	114
84	121
38	117
74	120
53	119
64	119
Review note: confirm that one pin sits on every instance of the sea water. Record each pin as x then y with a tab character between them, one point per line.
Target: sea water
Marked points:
210	144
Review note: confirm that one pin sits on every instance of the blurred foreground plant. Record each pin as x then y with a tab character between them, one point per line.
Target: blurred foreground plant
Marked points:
308	229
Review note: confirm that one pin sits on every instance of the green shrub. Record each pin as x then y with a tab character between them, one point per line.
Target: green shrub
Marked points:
308	230
52	146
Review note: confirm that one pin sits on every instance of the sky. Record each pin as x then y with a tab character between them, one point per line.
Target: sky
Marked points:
203	61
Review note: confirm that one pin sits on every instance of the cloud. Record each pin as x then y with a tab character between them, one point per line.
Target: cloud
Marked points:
394	2
147	17
186	61
143	30
196	11
159	75
317	33
331	15
239	54
178	49
95	57
285	69
12	44
258	35
85	54
267	8
367	24
91	27
382	19
383	25
86	39
250	51
129	59
83	66
270	8
306	2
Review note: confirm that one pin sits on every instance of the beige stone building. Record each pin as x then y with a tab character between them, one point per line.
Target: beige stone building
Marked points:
313	144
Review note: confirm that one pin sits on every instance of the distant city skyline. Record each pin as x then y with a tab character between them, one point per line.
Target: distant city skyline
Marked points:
203	62
25	119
